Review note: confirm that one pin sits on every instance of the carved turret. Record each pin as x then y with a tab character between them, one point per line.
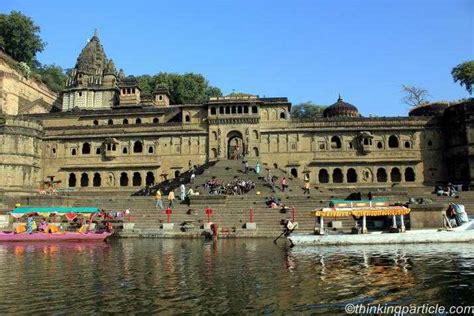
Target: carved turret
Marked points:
161	95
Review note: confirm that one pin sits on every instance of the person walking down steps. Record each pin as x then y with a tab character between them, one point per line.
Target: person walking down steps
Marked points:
171	198
159	202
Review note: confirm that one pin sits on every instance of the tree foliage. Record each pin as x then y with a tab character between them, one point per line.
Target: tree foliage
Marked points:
414	96
186	88
306	110
53	76
464	74
19	37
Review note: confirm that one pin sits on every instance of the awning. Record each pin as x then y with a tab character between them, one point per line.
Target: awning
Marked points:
59	210
373	211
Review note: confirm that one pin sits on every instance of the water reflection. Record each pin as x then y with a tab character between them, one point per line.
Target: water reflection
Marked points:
226	276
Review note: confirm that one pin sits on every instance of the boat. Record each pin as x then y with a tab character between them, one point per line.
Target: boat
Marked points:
69	212
397	235
61	236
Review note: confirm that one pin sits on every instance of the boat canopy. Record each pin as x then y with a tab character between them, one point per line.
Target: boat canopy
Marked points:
60	210
362	211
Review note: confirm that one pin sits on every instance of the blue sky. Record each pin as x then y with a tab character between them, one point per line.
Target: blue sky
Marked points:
304	50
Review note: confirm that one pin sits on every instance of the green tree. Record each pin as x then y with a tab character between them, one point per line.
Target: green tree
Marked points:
186	88
239	94
414	96
464	73
306	110
19	37
53	76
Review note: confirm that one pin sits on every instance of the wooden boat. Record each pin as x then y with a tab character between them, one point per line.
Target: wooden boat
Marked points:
462	233
62	236
69	212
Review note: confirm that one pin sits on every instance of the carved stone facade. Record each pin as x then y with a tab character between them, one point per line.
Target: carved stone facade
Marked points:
128	140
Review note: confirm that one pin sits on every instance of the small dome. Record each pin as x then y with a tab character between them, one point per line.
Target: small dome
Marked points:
341	109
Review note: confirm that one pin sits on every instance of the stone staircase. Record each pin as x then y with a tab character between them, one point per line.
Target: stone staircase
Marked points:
231	212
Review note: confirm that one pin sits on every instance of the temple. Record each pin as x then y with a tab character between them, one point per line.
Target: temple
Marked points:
109	136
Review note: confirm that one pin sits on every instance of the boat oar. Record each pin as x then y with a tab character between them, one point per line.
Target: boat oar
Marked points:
275	241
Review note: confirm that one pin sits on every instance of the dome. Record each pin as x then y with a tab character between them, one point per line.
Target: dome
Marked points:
341	109
430	109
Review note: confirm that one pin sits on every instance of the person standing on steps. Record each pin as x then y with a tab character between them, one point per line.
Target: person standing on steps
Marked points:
193	176
257	168
284	184
306	187
171	198
159	202
182	192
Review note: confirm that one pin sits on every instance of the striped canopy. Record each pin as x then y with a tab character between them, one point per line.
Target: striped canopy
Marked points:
58	210
372	211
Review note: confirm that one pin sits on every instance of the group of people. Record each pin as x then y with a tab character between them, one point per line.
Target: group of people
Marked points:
46	226
184	195
448	190
235	187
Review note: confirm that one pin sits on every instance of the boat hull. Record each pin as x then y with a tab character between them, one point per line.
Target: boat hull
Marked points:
409	237
66	236
463	233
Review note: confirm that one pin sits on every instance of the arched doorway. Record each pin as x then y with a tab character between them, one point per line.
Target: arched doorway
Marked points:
235	145
294	172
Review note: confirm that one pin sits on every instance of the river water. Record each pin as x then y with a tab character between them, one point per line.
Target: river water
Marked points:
227	276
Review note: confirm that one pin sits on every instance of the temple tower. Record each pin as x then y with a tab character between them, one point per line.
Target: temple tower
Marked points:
92	84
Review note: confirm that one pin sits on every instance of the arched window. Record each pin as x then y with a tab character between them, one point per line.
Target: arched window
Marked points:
150	150
351	175
138	121
323	176
407	145
282	115
255	134
156	120
125	150
177	173
255	152
393	142
213	111
337	176
72	180
234	110
395	175
335	142
110	122
187	118
381	175
73	152
123	179
137	179
84	180
227	110
96	122
239	110
221	110
86	149
150	178
125	121
409	174
96	181
379	145
138	147
254	109
97	151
